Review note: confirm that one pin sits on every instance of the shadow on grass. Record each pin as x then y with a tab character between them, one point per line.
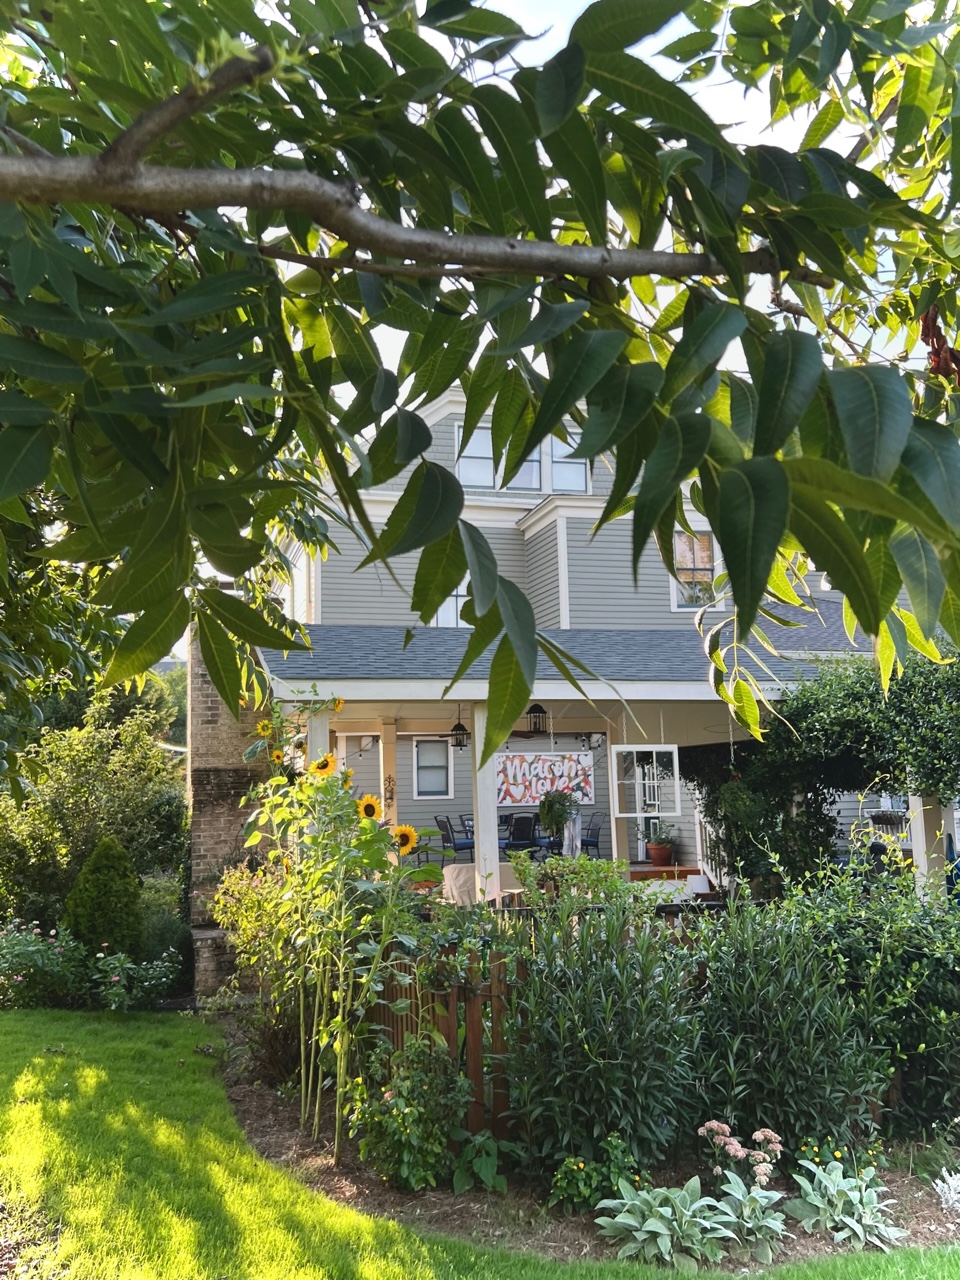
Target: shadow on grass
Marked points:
120	1130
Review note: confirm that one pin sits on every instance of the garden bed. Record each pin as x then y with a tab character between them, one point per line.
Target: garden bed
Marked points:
518	1221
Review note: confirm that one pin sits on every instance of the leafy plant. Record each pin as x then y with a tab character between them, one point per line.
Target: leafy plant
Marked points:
478	1160
760	1229
947	1187
848	1205
577	1183
556	810
41	969
405	1123
103	907
121	984
725	1148
673	1225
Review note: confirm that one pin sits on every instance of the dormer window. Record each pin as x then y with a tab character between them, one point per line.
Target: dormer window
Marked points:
475	469
694	557
569	475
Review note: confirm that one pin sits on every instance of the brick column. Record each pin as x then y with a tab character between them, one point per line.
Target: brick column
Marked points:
217	780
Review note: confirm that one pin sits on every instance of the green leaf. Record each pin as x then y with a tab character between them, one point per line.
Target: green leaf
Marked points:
573	149
17	410
559	88
606	26
508	130
482	566
836	551
921	91
680	448
472	164
922	576
791	372
478	25
822	125
551	320
25	456
932	458
702	345
507	701
638	88
355	349
148	639
440	571
585	359
518	619
753	505
885	574
875	414
483	631
429	507
245	392
24	358
245	622
219	655
617	406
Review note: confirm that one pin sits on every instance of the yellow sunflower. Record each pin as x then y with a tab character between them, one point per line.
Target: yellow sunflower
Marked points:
369	807
276	756
264	729
338	705
323	767
347	779
405	838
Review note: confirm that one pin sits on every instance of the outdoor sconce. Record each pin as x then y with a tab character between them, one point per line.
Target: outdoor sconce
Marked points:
537	718
460	733
389	789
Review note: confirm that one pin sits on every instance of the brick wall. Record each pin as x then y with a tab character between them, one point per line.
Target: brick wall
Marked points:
217	780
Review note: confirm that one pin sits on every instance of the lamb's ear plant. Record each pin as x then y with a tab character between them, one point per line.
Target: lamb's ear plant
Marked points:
847	1206
948	1189
759	1227
676	1226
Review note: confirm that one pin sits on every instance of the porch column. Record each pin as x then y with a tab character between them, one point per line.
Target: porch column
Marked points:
486	851
388	770
926	837
318	734
619	832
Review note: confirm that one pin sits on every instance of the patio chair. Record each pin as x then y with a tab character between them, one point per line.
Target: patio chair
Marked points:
549	846
466	825
523	832
590	839
451	843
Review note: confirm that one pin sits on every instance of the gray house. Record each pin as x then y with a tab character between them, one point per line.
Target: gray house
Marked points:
419	749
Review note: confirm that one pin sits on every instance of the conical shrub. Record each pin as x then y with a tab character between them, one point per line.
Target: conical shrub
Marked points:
104	904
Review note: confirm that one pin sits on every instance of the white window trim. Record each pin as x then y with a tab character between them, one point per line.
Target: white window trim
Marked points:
721	605
545	488
648	748
433	737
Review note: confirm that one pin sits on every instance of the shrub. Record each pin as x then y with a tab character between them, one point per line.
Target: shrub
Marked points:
406	1121
164	928
847	1205
121	984
603	1038
41	970
104	904
578	1184
782	1043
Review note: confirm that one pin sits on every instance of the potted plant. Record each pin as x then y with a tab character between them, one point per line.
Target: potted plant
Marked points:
556	810
660	845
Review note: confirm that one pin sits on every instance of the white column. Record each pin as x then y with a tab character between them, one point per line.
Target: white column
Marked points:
926	837
318	734
486	851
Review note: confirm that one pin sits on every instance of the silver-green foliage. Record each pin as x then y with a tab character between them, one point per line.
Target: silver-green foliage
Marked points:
849	1206
760	1228
673	1225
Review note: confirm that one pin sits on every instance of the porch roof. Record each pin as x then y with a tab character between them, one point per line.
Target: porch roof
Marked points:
618	655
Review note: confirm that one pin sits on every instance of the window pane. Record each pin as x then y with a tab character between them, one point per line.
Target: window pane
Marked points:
432	771
475	467
568	476
447	613
693	555
528	477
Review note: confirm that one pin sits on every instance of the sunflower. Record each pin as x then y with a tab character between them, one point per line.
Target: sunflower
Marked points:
369	807
264	728
323	767
276	756
347	779
405	838
338	705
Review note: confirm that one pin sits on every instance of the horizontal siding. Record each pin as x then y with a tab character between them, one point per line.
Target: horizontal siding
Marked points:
601	477
602	591
508	546
543	574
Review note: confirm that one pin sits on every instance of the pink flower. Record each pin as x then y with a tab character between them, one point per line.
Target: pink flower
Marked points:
18	978
763	1173
717	1171
387	1095
115	979
36	931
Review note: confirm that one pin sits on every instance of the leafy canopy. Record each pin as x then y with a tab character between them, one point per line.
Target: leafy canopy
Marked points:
215	210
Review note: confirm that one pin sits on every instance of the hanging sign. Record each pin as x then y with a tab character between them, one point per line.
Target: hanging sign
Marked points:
523	777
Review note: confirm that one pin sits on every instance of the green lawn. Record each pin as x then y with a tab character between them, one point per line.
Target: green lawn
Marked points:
126	1138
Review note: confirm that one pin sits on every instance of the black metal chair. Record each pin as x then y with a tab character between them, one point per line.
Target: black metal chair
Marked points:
549	846
523	832
466	825
450	841
590	839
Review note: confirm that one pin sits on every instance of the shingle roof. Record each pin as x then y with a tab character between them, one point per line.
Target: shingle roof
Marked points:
622	654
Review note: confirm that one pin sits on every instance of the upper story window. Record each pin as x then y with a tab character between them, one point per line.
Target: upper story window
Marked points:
568	475
432	772
695	561
475	469
448	615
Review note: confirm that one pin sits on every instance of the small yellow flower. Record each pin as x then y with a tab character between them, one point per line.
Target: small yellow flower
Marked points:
276	756
338	705
323	767
580	1165
347	779
405	838
369	807
264	729
836	1155
816	1148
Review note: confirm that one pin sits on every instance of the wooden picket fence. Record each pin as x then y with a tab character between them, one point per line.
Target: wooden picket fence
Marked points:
471	1016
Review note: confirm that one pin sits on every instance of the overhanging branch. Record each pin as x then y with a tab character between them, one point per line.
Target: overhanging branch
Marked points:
147	188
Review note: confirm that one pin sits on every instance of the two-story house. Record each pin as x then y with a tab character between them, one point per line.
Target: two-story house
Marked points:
419	749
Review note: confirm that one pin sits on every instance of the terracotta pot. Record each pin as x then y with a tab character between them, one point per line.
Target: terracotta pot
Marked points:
660	855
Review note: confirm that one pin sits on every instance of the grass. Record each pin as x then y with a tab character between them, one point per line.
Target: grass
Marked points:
119	1131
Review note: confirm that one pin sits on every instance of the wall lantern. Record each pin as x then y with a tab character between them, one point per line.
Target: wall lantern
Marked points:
460	733
537	718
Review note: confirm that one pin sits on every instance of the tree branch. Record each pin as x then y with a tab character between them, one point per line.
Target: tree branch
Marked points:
127	150
39	180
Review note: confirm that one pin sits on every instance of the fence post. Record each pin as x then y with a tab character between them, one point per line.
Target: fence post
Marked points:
498	1043
473	1026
